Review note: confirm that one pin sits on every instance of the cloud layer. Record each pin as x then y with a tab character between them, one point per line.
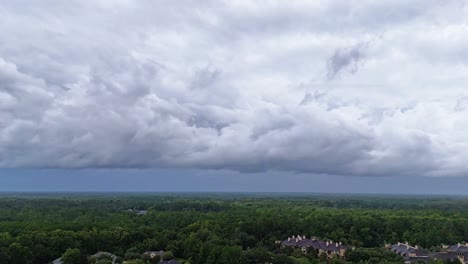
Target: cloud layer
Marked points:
359	88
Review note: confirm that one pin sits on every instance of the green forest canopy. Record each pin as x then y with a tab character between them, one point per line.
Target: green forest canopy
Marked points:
222	228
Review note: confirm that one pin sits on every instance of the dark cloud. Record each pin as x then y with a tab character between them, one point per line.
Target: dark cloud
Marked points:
346	59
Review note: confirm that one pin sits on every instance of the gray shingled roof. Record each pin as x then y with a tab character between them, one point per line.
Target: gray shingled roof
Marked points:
418	252
313	243
400	249
444	255
102	253
57	261
425	259
458	248
405	249
172	261
159	253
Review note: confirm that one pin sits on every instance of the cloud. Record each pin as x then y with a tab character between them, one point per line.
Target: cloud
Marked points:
346	59
234	85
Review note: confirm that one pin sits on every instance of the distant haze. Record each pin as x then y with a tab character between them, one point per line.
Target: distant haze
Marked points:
339	96
176	180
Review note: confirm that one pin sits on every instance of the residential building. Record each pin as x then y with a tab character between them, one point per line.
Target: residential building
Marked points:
153	254
102	254
444	256
411	254
330	248
461	250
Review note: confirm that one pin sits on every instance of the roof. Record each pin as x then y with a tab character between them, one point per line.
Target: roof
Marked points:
417	259
57	261
313	243
400	248
159	253
418	252
102	253
444	255
405	249
138	212
458	248
172	261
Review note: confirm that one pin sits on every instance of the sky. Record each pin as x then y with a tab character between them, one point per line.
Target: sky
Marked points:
319	96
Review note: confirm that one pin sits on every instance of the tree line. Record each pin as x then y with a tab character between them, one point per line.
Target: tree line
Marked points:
217	229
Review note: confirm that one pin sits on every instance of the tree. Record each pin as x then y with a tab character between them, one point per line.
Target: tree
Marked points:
254	256
19	254
4	255
149	259
282	259
136	261
168	255
131	255
297	253
357	255
214	256
230	255
72	256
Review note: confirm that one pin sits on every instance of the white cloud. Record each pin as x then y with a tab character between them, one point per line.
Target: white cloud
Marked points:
235	85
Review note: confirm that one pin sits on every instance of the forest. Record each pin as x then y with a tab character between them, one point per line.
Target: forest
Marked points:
206	228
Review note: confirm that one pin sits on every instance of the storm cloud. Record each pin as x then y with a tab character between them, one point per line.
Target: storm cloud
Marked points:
236	85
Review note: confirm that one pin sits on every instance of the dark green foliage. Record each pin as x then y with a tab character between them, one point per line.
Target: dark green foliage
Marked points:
168	255
73	256
18	254
136	261
282	259
256	255
366	255
227	228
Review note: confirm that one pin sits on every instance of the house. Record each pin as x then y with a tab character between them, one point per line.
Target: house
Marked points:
102	254
330	248
461	250
411	254
160	253
137	212
406	250
57	261
458	248
463	257
153	254
410	260
444	256
172	261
